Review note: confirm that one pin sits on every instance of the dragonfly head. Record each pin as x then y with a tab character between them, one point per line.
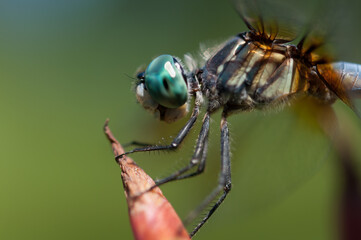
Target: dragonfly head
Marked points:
162	88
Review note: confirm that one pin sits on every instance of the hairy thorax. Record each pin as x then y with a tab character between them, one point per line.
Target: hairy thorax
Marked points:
246	74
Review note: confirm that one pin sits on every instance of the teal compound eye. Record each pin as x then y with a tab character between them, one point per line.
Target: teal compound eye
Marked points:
165	82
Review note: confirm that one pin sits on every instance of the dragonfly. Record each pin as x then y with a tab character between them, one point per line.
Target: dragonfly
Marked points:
259	69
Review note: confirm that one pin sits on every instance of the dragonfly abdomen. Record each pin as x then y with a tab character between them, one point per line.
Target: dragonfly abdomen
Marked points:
343	78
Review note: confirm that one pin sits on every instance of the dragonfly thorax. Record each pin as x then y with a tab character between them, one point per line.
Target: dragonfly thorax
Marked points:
245	74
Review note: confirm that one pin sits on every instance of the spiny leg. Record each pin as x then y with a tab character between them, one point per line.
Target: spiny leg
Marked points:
198	158
201	165
175	143
224	182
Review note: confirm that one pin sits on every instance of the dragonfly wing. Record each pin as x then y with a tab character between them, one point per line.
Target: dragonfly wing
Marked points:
273	19
279	153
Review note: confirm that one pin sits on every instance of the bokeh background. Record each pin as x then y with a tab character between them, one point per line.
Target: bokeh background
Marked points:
64	69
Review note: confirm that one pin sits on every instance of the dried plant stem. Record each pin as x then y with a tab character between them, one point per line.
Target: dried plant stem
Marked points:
151	215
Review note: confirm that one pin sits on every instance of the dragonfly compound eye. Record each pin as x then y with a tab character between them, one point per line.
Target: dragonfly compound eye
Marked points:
165	82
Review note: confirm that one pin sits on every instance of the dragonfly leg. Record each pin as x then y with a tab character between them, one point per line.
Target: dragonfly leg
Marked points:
224	182
201	166
198	158
175	143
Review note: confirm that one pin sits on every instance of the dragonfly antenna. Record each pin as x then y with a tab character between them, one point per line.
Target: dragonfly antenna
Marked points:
127	75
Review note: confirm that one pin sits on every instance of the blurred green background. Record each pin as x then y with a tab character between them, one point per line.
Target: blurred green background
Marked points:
63	71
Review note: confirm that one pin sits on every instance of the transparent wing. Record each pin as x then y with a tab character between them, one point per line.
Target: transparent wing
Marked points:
281	20
279	152
315	21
